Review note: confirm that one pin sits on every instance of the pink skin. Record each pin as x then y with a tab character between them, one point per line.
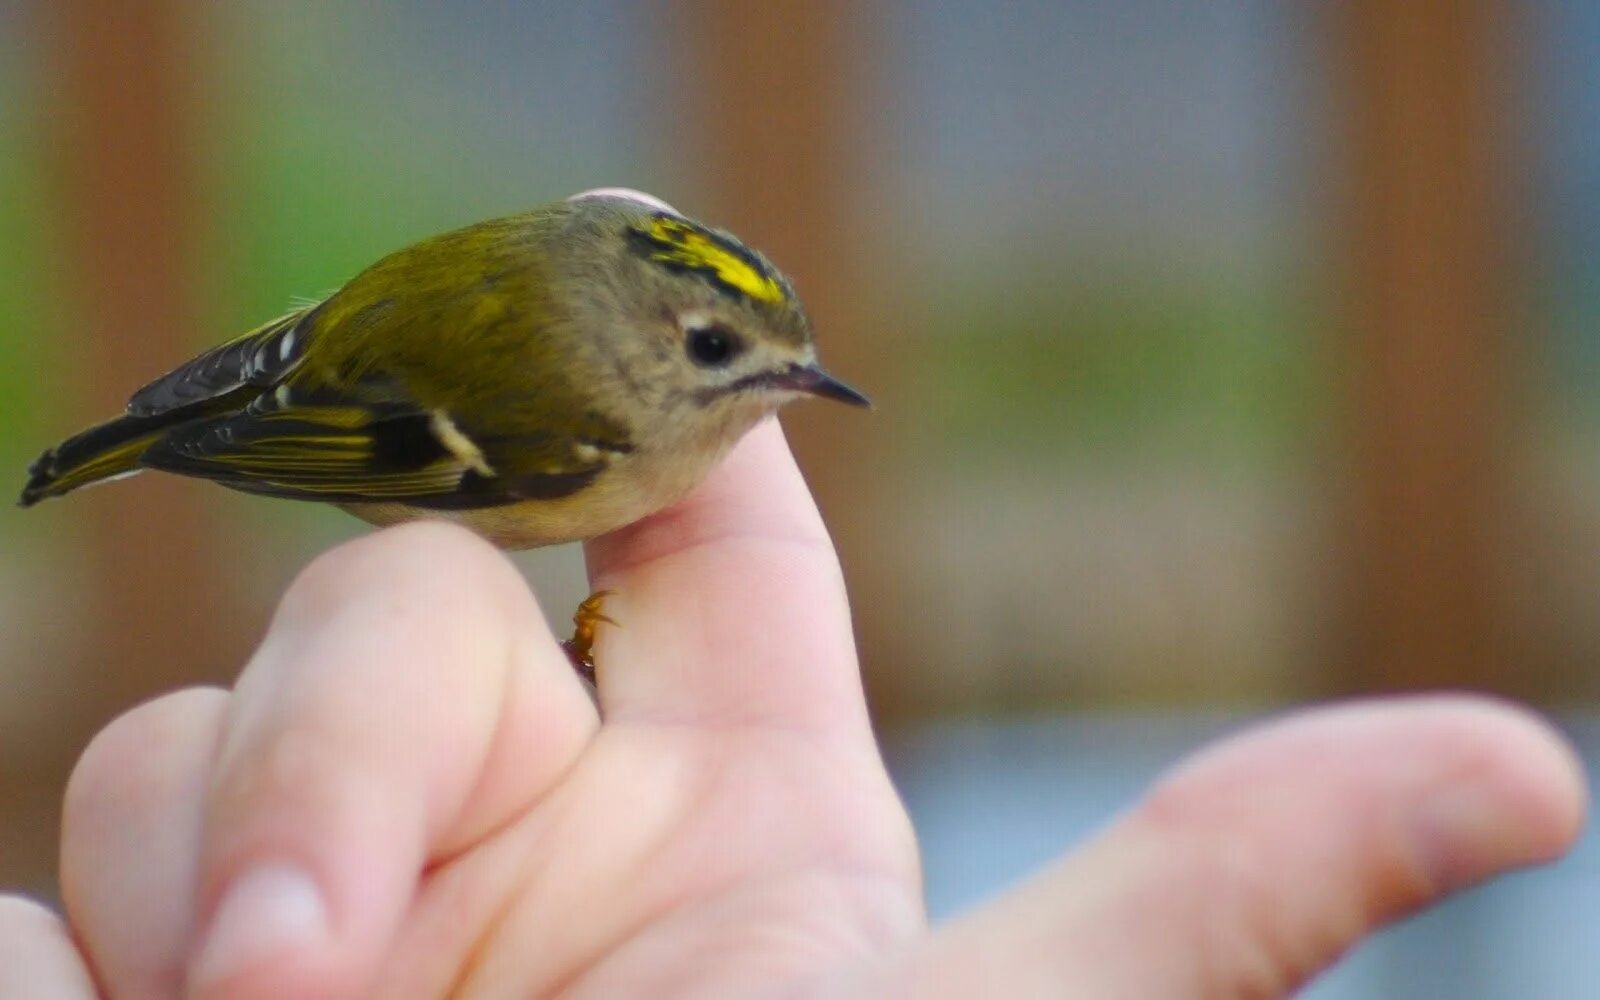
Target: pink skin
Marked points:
408	793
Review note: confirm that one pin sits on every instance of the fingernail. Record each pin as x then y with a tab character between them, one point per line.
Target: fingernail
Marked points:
269	911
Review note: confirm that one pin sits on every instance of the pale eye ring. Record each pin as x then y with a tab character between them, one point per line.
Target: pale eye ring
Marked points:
712	346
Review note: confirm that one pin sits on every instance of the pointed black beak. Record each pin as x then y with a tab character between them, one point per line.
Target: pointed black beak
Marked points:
813	380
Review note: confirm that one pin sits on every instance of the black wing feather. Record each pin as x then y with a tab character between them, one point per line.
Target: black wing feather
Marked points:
259	358
242	416
319	445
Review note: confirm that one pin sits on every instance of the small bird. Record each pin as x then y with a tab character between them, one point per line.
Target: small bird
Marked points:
540	378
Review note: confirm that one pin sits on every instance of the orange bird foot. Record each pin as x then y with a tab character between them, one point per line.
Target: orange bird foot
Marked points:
585	623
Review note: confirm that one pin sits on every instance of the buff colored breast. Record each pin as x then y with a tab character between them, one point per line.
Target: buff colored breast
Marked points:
632	487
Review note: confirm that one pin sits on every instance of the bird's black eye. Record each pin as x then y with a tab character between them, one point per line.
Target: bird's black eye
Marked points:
713	346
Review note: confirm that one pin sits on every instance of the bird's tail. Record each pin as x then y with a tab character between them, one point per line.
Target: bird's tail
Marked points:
104	452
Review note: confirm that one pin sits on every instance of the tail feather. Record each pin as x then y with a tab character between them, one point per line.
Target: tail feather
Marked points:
103	452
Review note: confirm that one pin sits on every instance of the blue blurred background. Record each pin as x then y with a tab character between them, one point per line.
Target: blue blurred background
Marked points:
1228	356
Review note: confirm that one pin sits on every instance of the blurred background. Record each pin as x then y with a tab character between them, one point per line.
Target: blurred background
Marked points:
1228	356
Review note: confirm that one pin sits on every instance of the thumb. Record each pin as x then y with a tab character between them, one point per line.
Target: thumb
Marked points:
1260	862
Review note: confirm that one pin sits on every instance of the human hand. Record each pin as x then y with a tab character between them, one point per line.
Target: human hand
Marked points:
409	793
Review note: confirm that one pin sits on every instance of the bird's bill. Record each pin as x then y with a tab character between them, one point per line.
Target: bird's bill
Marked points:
816	382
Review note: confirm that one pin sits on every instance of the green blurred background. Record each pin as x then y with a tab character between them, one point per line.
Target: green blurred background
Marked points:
1227	355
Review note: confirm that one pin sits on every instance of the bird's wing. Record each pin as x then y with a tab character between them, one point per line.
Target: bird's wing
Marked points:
319	444
260	358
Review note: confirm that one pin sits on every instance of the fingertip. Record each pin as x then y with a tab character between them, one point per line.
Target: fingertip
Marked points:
756	491
443	556
1279	847
130	834
1433	737
37	956
1254	865
140	736
731	605
1515	793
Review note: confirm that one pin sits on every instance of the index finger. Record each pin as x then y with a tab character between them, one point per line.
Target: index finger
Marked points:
730	607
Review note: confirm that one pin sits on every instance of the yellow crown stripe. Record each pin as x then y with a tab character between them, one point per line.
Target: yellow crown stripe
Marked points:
680	243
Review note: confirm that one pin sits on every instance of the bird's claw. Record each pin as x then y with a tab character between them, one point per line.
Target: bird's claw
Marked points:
585	623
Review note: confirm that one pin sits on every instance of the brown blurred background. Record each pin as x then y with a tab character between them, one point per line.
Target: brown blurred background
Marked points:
1227	355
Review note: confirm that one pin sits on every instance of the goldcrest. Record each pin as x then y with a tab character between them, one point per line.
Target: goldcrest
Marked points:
540	378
